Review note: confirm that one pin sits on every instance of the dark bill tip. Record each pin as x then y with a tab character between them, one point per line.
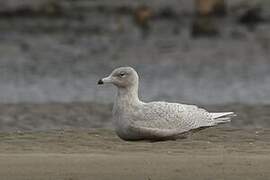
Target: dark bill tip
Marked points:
100	81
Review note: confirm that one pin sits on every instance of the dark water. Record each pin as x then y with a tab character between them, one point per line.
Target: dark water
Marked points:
59	58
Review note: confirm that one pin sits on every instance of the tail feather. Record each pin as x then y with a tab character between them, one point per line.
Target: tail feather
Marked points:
222	117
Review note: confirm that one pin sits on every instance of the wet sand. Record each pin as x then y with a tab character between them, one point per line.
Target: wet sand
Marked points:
42	117
214	153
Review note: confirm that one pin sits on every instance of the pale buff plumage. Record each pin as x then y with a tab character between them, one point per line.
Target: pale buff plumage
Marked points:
137	120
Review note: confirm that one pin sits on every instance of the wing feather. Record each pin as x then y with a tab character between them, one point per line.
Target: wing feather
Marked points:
172	116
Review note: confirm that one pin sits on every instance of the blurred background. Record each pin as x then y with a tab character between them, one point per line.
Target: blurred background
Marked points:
214	53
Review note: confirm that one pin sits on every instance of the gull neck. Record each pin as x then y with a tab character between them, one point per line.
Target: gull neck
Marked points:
128	95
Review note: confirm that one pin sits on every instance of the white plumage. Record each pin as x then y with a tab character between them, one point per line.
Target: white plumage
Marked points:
137	120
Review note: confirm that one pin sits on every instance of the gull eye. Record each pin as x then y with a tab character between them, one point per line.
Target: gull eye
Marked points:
122	74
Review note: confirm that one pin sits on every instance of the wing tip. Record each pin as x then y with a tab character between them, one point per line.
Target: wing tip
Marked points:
223	115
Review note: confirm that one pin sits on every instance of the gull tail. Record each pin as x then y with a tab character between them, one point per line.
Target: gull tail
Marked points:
222	117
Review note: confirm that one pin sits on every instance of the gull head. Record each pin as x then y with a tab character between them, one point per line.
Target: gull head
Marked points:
123	77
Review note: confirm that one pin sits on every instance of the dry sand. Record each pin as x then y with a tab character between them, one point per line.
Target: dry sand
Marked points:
215	153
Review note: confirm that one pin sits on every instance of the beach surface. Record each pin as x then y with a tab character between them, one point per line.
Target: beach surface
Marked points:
76	154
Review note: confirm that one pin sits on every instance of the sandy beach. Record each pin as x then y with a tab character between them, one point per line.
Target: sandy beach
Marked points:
215	153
